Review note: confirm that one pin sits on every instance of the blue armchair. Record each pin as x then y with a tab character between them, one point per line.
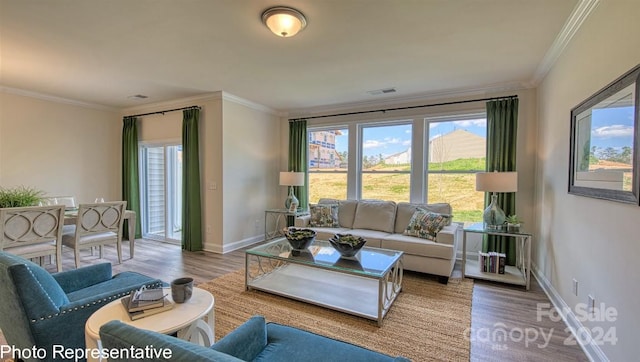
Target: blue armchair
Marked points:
39	309
255	340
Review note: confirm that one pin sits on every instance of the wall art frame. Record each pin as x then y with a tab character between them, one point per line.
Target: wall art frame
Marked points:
604	155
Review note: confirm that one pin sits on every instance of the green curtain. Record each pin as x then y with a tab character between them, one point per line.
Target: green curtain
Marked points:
130	171
191	198
299	158
502	130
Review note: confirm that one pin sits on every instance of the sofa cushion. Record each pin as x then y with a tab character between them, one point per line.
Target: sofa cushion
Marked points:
326	233
425	224
323	215
417	246
375	215
346	210
406	211
373	237
447	235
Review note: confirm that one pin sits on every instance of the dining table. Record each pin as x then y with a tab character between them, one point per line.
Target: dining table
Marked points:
71	216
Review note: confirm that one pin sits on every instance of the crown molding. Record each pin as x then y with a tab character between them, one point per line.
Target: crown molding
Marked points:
487	90
218	95
54	99
250	104
580	13
174	103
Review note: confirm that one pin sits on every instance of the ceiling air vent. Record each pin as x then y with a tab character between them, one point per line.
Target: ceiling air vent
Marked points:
382	91
138	96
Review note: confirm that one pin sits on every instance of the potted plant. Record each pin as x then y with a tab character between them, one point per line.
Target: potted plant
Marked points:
19	196
513	223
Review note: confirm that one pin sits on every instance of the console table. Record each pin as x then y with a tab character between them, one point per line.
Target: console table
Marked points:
519	274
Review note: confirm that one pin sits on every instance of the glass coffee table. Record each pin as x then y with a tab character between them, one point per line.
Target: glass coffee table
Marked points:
365	285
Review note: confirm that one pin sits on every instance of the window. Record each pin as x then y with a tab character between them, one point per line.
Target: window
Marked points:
386	162
161	191
328	162
456	151
419	160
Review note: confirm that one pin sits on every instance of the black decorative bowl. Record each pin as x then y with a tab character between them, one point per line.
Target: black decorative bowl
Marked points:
299	239
346	244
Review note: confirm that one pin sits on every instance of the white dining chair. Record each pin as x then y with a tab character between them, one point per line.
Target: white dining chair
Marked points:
97	224
33	232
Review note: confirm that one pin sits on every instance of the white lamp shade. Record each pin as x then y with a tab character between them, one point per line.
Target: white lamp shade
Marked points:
497	181
291	178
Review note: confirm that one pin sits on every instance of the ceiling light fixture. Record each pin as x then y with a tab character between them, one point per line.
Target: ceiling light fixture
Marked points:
284	21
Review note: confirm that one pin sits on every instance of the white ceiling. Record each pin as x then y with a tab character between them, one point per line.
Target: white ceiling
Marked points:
103	51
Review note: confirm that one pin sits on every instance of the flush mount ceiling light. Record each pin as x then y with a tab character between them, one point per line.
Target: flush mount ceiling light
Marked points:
284	21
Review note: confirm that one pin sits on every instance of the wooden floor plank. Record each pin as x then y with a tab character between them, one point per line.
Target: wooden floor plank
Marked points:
495	306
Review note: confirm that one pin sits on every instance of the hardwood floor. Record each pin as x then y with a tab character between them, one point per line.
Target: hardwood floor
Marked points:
496	307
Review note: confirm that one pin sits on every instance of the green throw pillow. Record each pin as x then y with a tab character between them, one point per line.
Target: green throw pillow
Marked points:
426	224
324	215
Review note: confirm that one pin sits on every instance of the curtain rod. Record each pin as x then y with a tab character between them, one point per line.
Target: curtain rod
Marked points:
163	112
403	108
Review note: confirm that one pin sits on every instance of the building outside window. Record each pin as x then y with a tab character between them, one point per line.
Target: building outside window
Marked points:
328	164
386	162
456	151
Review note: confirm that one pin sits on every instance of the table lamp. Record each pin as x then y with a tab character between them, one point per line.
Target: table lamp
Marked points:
291	179
493	182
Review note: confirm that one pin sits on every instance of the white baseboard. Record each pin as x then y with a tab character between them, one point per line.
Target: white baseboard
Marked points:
223	249
590	348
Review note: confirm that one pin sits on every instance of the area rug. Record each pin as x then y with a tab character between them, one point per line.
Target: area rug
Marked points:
428	321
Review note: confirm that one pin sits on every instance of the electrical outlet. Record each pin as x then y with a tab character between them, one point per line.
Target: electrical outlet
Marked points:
208	229
591	305
575	287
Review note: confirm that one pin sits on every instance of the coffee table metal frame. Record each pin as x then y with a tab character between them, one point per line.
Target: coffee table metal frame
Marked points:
365	285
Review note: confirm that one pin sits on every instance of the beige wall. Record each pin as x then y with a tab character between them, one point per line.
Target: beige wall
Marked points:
594	241
60	148
70	149
251	152
239	144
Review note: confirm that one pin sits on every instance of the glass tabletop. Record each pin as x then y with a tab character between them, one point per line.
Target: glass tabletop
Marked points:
288	212
482	228
369	261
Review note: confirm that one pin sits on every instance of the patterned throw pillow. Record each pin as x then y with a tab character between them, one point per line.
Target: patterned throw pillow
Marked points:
426	224
324	215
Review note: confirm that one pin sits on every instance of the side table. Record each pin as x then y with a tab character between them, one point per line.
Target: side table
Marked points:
185	319
276	216
519	274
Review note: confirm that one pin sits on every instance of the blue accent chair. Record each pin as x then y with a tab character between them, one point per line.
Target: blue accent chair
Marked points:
255	340
39	309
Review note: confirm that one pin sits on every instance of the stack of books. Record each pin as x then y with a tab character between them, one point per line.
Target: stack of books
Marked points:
492	262
145	302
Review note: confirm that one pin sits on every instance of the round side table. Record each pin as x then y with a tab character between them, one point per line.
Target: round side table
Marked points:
185	319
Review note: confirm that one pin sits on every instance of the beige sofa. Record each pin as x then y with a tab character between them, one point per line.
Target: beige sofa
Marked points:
382	224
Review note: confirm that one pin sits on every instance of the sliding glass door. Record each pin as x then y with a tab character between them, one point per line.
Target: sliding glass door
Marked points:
161	173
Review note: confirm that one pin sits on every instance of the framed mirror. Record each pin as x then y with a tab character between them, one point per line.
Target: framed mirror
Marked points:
603	160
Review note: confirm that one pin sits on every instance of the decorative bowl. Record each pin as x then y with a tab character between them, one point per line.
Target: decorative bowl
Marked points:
299	239
346	244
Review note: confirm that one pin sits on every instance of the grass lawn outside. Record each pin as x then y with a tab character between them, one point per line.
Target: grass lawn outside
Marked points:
457	189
